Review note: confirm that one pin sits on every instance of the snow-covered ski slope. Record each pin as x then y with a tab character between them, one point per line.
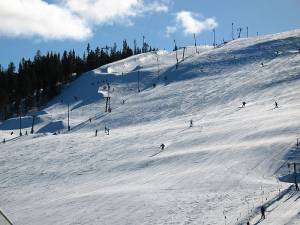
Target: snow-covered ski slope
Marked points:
229	163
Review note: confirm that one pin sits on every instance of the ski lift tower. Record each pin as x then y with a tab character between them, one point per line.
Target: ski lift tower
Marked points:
294	164
107	99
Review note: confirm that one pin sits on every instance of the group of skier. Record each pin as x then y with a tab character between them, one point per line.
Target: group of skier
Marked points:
106	131
275	103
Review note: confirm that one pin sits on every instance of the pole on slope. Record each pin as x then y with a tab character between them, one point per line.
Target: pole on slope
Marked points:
157	61
195	40
184	48
32	125
176	53
20	120
239	30
295	177
232	31
214	30
139	81
69	117
143	49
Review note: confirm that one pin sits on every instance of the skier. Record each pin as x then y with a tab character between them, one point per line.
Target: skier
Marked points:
263	210
276	104
162	146
248	223
26	133
90	120
3	140
262	64
243	104
106	130
191	123
11	133
296	186
96	132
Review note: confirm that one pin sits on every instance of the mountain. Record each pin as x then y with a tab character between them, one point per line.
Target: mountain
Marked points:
221	170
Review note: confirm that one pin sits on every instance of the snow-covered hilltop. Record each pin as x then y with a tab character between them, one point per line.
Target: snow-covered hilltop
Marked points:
220	171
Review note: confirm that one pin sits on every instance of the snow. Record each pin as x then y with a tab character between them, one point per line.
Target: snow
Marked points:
229	163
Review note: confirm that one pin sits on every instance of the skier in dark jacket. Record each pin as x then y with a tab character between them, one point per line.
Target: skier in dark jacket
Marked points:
243	104
276	104
263	210
191	123
96	133
162	146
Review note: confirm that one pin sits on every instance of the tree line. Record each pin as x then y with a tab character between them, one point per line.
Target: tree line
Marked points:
38	80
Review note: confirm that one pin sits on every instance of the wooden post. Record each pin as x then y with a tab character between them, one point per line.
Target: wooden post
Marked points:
295	178
143	49
232	31
157	67
183	53
20	120
176	53
69	128
32	130
139	81
195	43
214	37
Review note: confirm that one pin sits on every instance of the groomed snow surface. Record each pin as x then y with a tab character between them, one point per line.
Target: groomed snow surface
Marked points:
220	171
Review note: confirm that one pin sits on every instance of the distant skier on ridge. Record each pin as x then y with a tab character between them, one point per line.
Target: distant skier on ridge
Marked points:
162	146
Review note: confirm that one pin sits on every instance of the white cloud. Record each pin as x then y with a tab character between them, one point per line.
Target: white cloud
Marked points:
104	11
37	18
190	24
69	19
157	7
170	30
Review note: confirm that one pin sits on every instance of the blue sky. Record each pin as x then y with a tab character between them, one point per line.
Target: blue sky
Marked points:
28	26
